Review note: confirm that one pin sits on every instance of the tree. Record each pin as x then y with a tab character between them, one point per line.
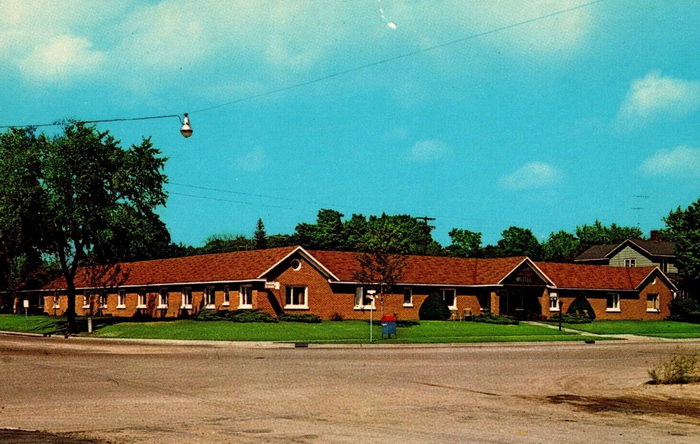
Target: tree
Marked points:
325	234
598	234
516	241
90	192
465	243
260	236
224	243
560	247
683	228
383	258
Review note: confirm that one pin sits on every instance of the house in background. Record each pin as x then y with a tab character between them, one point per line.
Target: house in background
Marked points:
295	280
634	253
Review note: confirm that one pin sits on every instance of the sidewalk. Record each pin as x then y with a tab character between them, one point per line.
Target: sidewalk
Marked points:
626	337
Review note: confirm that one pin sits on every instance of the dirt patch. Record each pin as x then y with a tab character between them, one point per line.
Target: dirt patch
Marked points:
12	436
633	404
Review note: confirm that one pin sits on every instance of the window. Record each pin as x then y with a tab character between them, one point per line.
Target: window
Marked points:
554	302
141	303
664	265
630	263
296	264
102	300
210	298
362	301
408	297
246	297
86	301
449	296
227	297
121	299
56	301
295	298
653	303
186	298
163	298
613	302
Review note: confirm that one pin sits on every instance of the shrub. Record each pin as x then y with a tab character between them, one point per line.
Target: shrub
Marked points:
580	307
250	316
680	368
685	309
306	318
337	317
434	308
491	318
570	318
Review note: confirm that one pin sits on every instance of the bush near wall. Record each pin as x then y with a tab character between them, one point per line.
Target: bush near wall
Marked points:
687	310
434	309
491	318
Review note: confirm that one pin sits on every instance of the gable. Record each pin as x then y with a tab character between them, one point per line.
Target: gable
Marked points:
525	274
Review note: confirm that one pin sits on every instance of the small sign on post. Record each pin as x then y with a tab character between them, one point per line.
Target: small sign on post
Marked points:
25	303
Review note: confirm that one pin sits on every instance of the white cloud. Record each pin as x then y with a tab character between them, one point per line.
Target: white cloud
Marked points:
254	160
63	57
656	95
429	150
532	175
682	161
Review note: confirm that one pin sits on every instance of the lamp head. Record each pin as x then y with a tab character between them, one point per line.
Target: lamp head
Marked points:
186	129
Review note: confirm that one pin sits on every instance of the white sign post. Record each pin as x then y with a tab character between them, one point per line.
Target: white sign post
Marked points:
370	296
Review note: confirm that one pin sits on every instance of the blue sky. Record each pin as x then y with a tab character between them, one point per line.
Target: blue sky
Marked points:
588	114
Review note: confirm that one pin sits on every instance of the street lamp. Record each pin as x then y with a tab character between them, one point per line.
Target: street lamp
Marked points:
370	296
186	129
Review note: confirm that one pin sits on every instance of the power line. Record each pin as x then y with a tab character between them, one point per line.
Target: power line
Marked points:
335	74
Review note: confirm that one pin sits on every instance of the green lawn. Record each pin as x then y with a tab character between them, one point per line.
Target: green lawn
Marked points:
331	332
325	332
661	329
30	324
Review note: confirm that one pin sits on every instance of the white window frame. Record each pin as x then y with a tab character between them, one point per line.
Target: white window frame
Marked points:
142	299
615	303
290	288
186	296
408	291
242	291
454	299
121	299
103	300
227	296
163	299
630	263
361	297
210	298
655	308
86	300
556	307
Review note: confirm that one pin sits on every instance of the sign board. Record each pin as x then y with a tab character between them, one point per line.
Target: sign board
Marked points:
26	303
272	285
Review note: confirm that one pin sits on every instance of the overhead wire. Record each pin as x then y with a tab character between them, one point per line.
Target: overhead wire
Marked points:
334	74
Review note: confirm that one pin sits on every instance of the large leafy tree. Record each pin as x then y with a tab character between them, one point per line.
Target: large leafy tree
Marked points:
325	234
516	241
93	197
560	247
465	243
683	228
598	233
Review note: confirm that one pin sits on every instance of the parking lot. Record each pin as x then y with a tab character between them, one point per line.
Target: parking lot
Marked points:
121	391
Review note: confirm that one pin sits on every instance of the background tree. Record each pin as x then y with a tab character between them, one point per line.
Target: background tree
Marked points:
325	234
383	258
89	193
224	243
465	243
516	241
598	233
683	228
260	236
560	247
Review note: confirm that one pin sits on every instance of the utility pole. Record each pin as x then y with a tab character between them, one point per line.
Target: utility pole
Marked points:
425	220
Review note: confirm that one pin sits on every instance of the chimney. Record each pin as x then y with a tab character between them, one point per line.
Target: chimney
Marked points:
655	235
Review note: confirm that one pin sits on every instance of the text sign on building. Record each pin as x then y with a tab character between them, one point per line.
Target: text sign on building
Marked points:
272	285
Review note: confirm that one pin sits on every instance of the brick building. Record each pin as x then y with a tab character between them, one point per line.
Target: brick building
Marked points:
296	280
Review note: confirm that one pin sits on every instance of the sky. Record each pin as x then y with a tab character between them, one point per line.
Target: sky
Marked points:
482	114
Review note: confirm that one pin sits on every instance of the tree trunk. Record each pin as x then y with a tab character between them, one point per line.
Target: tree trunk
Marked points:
70	310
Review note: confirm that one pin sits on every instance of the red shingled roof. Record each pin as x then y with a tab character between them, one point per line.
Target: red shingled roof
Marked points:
427	269
590	277
220	267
